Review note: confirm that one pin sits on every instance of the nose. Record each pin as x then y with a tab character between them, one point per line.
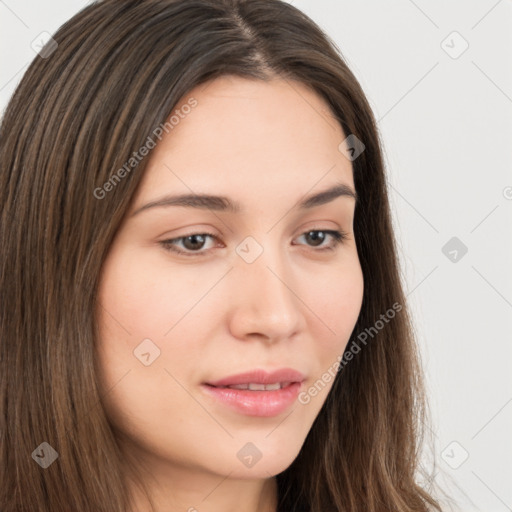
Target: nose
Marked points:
265	303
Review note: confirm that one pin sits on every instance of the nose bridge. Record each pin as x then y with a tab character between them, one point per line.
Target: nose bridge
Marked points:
267	303
264	263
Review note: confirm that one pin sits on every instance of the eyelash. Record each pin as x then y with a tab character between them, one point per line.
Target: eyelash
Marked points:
168	245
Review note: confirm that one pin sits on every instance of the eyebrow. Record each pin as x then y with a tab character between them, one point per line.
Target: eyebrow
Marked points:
225	204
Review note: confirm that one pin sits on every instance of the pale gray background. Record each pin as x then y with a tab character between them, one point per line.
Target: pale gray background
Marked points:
446	124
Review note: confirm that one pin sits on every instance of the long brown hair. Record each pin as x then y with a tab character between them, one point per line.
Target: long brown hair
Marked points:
78	115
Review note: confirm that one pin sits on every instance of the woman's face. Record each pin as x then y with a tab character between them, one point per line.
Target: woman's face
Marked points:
268	288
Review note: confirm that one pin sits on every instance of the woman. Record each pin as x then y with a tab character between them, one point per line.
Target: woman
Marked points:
271	367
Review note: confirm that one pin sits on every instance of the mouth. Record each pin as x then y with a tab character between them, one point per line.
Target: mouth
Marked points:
257	393
254	386
258	377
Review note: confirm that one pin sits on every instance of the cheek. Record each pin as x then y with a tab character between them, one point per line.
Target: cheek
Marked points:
143	309
142	297
139	398
337	307
336	303
335	310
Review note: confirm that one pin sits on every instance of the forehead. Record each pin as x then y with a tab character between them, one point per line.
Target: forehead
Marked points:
248	138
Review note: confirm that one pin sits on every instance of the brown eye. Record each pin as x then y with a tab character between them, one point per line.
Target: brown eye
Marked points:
338	237
314	236
191	243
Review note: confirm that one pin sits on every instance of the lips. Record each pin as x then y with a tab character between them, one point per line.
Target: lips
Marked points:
283	376
258	392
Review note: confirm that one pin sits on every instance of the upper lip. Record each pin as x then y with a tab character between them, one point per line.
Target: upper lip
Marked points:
260	376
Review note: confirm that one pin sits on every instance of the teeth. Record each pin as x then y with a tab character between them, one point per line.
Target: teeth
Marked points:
260	387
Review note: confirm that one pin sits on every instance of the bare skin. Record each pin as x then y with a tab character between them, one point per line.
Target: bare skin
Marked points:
265	146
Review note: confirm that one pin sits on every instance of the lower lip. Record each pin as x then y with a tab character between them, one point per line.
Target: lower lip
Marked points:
256	403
